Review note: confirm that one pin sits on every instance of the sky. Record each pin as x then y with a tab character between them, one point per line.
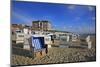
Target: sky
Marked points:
66	17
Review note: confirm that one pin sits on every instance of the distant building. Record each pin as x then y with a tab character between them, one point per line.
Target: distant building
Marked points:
16	27
19	27
61	37
41	25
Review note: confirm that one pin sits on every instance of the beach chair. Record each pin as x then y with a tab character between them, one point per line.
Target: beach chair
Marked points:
38	47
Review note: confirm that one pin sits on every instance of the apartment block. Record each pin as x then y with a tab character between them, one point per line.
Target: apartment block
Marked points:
41	25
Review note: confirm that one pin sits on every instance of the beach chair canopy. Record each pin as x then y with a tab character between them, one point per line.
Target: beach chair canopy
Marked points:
38	43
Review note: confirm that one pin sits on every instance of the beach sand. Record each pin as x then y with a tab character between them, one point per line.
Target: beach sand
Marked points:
58	55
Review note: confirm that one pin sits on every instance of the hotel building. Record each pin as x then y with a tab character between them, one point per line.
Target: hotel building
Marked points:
41	25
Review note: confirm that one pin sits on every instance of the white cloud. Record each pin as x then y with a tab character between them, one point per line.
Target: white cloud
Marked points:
91	8
71	7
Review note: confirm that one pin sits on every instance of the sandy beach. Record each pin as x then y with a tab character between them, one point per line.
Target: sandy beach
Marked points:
58	55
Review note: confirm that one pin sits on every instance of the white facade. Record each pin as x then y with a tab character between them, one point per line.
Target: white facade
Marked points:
18	37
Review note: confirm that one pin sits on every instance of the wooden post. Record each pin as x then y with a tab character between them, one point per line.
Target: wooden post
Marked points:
46	46
33	54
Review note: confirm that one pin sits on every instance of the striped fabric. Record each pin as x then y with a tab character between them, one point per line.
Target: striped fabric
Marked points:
36	43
